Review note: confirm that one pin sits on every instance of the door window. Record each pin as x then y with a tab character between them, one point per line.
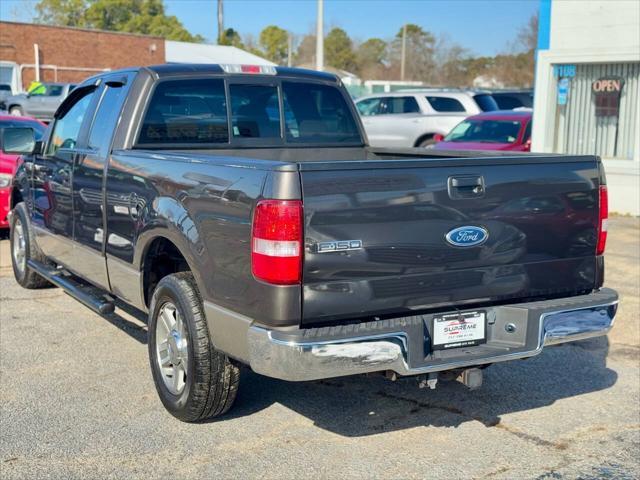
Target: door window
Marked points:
398	105
369	107
67	128
106	117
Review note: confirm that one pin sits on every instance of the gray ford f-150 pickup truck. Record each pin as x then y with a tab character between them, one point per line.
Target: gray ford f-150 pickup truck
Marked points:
242	208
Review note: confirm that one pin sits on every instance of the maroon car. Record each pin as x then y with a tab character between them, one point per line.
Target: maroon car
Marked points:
500	130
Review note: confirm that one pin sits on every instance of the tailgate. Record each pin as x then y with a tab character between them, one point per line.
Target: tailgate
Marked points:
392	237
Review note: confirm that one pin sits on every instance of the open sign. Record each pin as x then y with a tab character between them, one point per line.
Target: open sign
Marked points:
606	92
607	85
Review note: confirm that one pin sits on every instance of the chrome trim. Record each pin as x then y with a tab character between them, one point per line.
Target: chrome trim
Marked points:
308	360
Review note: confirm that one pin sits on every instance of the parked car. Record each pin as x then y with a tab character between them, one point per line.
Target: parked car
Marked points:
41	105
511	99
5	92
9	162
500	130
412	118
241	207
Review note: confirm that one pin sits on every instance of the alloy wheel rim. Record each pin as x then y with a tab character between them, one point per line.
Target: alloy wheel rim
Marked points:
172	348
19	247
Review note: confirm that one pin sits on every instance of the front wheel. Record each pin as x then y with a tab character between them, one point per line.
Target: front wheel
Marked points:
193	379
16	111
23	249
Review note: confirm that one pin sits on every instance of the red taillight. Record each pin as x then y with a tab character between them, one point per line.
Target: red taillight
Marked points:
276	241
250	68
603	220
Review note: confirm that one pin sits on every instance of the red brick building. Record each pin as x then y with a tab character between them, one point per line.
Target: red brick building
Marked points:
65	54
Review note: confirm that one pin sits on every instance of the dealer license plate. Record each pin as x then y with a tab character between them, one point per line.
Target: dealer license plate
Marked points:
458	330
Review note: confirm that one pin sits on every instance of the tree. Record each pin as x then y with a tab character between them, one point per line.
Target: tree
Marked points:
338	50
527	37
420	47
231	37
65	13
274	43
306	52
371	52
450	58
134	16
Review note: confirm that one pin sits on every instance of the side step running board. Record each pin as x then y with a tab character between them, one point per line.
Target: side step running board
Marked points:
97	300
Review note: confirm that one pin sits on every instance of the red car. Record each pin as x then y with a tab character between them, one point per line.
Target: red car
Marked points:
498	130
9	163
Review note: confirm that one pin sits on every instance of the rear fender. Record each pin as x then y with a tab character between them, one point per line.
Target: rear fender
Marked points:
170	220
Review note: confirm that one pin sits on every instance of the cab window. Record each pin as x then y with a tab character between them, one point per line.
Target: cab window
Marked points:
255	111
186	112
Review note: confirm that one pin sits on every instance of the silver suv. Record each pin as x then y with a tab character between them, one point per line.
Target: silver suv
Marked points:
411	118
41	105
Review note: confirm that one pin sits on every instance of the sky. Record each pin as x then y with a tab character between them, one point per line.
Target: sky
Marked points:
484	27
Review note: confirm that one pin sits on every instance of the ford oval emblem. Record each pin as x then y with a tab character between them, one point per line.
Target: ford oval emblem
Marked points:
467	236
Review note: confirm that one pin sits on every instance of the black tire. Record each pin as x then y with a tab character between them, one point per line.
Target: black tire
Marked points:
426	142
16	111
26	277
211	380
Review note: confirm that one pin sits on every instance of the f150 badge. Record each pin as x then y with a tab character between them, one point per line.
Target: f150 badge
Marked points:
467	236
338	246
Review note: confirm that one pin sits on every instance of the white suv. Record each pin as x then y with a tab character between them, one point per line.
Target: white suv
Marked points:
410	118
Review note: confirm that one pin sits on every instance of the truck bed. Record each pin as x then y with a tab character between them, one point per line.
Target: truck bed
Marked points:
540	213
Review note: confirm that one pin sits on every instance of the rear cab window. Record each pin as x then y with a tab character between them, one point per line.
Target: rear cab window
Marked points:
195	113
186	112
255	111
316	113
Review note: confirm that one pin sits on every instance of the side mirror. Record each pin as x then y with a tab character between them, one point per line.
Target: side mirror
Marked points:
18	140
527	145
438	137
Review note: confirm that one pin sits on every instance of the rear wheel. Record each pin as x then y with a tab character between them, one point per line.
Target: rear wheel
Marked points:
194	380
16	111
23	249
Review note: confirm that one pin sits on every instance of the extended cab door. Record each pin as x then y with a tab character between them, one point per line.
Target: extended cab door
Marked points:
89	230
53	174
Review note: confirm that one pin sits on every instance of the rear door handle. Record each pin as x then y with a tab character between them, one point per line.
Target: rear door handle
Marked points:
465	186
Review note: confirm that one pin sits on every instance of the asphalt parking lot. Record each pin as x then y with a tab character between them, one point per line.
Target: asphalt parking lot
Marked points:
77	401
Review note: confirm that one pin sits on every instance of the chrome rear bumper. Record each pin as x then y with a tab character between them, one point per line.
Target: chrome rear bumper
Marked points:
339	351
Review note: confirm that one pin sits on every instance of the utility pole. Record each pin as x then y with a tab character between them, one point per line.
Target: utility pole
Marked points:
289	49
320	37
404	51
220	21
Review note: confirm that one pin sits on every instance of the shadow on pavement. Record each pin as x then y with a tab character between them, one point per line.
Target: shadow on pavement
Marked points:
365	405
132	321
369	404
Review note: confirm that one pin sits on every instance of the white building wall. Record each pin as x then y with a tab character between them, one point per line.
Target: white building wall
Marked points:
185	52
594	24
598	31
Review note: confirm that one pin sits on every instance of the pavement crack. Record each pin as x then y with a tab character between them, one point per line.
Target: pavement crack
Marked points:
417	404
535	439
